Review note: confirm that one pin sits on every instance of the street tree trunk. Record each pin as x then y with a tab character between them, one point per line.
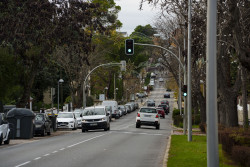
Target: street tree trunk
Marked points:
244	97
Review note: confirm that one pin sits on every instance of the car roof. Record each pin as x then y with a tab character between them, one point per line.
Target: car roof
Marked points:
95	107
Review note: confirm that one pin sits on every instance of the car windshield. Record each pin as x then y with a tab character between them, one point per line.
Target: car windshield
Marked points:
148	110
77	115
65	115
78	110
39	117
94	111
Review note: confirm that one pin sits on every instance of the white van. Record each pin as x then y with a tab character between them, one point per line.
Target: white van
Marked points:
115	112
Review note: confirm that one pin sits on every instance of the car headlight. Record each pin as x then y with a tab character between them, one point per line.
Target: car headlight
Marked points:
83	120
103	119
71	122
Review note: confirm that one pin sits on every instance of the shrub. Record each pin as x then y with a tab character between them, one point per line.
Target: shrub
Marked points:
203	127
175	112
241	155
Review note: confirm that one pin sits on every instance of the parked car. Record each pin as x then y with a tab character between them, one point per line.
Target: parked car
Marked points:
161	111
160	79
43	124
95	118
165	107
131	106
150	103
148	116
79	119
66	120
167	95
115	112
79	110
109	110
4	130
128	108
123	109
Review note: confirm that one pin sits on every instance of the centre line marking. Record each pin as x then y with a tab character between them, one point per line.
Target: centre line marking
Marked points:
23	164
37	158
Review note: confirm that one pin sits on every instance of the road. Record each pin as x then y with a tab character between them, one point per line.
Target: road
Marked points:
122	146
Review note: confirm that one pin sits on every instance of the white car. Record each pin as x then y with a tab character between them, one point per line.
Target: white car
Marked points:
148	116
4	131
95	118
66	120
79	119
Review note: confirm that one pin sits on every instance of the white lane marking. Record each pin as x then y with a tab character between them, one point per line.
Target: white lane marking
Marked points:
87	140
37	158
23	164
46	155
54	152
62	149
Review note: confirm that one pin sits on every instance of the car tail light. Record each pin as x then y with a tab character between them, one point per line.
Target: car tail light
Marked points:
157	116
138	115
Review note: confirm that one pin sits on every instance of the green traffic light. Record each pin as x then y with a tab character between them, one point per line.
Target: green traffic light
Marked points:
184	94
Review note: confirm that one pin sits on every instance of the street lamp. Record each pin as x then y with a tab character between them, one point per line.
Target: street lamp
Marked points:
60	81
115	92
105	92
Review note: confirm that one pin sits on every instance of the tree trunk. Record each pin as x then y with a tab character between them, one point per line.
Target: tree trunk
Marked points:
202	105
27	86
244	97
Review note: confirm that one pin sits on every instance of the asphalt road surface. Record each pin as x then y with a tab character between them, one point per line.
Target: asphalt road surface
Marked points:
122	146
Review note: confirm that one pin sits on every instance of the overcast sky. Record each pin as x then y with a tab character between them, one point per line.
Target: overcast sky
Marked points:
131	16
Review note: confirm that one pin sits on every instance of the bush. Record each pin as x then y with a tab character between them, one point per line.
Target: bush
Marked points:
196	119
177	118
89	101
236	142
175	112
241	154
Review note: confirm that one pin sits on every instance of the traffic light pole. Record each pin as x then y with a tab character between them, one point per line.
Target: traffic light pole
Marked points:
85	80
211	83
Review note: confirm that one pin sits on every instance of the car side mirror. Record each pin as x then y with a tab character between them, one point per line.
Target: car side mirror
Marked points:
107	114
80	115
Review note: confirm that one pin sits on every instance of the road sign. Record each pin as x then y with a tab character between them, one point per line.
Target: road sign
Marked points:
123	65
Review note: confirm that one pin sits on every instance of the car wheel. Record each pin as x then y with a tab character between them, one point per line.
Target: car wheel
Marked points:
83	130
49	133
1	139
138	125
157	126
43	132
8	140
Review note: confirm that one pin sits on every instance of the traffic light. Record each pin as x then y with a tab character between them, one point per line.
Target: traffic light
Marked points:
184	90
129	47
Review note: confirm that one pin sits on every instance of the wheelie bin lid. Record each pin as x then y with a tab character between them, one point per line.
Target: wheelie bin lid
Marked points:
22	112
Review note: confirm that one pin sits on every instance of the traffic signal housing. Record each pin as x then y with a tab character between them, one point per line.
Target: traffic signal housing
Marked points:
184	90
129	46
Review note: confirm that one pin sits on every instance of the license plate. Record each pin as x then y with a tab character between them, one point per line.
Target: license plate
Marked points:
93	124
147	115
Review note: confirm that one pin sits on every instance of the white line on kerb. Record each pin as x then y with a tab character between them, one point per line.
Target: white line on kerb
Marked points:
37	158
46	155
62	149
23	164
54	152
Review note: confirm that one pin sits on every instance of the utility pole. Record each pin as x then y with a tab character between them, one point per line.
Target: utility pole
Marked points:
189	93
211	83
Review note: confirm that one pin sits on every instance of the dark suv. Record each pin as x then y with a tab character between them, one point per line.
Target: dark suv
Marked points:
165	107
150	103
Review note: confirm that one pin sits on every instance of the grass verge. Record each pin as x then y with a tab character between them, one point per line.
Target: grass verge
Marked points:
186	154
